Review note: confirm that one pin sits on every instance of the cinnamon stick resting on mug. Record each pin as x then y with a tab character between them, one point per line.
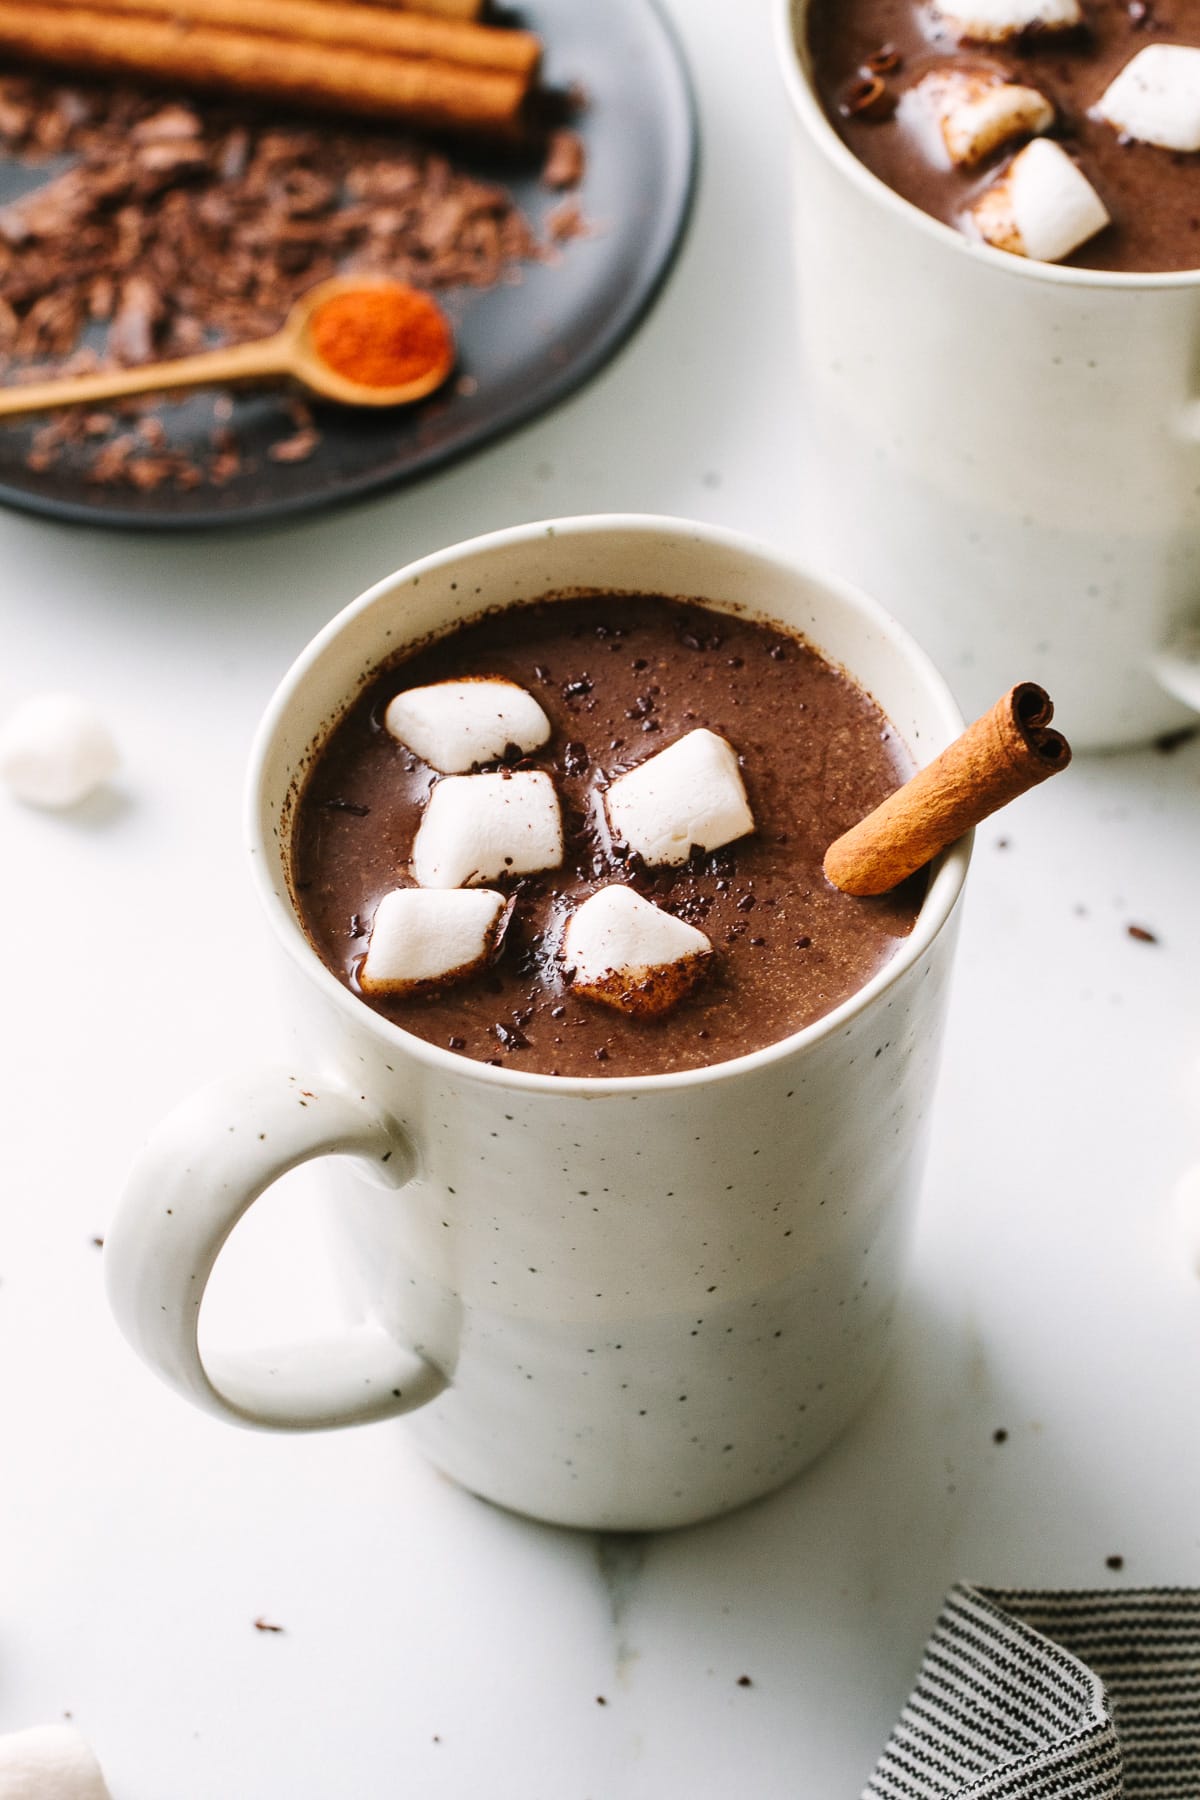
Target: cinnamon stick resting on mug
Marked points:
1006	752
421	90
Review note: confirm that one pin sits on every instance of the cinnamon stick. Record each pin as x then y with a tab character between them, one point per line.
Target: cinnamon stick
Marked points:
446	9
351	25
1006	752
218	59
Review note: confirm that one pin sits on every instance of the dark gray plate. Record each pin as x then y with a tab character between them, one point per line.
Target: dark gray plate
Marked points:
526	347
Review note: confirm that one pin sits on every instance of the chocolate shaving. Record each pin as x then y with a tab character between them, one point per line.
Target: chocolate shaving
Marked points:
868	98
565	160
1170	741
566	222
297	448
511	1036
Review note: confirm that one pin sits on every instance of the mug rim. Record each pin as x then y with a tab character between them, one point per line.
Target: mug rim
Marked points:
945	884
809	112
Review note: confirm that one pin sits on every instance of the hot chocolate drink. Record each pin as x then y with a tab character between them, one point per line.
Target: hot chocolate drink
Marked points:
769	751
939	98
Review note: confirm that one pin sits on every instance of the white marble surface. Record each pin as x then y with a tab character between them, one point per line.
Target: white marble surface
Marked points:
430	1645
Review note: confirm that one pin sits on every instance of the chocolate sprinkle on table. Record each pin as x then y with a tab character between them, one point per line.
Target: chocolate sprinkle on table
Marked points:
1170	741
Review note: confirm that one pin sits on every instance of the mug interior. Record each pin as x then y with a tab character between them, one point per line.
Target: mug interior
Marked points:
561	560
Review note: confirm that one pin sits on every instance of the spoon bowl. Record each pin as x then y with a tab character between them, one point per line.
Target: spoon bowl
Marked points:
290	355
320	378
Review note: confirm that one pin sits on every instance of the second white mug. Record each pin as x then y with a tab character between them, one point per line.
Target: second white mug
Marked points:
1005	452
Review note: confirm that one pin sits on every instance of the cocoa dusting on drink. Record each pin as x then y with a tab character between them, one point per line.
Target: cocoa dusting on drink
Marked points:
621	678
1153	195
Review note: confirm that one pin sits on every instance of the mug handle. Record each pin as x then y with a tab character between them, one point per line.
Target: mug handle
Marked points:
204	1167
1176	667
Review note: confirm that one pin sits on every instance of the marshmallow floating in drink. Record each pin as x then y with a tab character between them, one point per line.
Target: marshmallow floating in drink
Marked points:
456	725
478	827
1043	206
628	954
991	21
688	797
55	750
974	114
426	938
1156	98
49	1762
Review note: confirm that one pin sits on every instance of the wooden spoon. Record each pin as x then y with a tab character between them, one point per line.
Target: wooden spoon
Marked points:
287	355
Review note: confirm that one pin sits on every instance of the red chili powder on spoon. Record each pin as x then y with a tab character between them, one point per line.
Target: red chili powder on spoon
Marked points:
382	337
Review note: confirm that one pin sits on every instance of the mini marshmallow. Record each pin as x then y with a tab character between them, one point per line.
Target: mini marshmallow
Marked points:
476	827
429	937
627	953
49	1762
975	113
1156	98
689	796
456	725
55	750
1187	1216
1043	206
991	21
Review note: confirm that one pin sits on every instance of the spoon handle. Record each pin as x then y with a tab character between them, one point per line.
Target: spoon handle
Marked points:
265	358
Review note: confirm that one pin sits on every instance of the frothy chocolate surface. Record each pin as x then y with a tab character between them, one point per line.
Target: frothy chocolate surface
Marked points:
619	679
1152	195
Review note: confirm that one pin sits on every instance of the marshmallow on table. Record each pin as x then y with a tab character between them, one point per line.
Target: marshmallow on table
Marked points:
49	1762
476	827
627	953
429	937
991	21
975	112
1156	98
1043	206
690	796
456	725
55	750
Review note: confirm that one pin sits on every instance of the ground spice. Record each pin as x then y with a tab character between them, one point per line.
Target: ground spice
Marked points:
382	337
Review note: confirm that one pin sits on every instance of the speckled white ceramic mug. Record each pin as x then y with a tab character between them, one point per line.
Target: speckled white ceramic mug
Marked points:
618	1303
1006	453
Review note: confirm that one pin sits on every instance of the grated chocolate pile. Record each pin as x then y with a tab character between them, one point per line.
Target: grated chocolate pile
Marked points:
163	226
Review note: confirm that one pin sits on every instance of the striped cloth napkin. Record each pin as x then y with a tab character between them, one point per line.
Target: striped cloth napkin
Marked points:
1053	1696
